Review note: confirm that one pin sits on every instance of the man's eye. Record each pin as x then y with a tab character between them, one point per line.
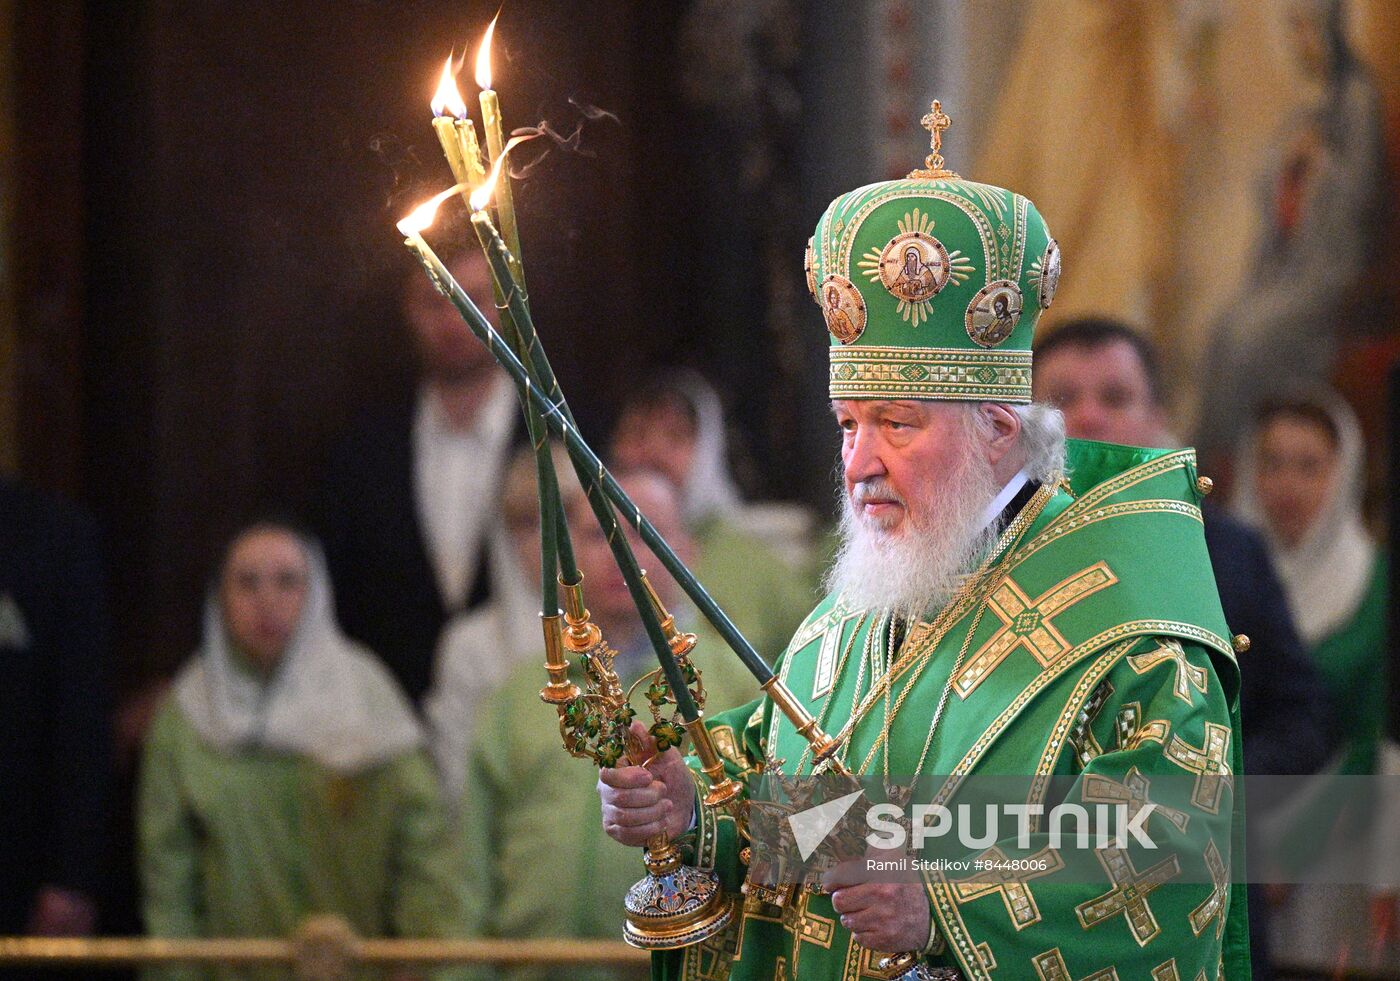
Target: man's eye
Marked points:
847	425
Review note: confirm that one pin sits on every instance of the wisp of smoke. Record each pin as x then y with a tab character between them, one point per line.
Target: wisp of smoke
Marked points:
572	143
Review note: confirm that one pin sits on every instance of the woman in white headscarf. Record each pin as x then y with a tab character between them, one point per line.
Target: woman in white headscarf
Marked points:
286	775
755	559
1301	482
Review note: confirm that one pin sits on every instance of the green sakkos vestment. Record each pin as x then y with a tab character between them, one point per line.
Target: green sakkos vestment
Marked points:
1096	651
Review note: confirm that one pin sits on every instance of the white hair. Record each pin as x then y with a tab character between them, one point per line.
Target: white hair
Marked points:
1042	440
915	570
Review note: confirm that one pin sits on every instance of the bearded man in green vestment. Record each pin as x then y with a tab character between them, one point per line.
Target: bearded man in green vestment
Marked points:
1002	604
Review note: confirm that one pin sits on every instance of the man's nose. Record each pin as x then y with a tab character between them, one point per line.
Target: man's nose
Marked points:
861	456
1086	421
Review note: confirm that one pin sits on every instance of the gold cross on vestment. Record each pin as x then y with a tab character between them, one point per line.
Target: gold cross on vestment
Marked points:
1169	972
1131	732
1213	773
1188	675
1214	906
1015	892
1128	897
1051	966
830	627
1132	793
1081	738
1029	623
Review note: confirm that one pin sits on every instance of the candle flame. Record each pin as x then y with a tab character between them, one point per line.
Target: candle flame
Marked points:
422	216
447	99
481	197
483	55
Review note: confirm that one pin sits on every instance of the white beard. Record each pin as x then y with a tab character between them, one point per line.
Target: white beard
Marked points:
916	569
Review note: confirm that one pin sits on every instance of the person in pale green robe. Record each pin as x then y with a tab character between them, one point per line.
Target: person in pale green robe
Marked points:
755	558
529	811
286	775
1301	478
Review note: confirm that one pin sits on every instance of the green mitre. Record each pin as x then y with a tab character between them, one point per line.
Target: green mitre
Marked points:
931	286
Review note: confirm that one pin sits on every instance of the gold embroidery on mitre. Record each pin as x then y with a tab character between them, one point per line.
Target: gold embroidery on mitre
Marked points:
1129	895
843	307
914	266
994	312
1044	274
929	373
809	268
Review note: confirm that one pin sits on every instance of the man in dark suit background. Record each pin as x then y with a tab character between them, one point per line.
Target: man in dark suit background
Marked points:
407	511
1104	377
55	716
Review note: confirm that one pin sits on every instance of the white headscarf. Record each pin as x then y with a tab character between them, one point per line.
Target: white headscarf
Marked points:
328	698
1326	575
709	488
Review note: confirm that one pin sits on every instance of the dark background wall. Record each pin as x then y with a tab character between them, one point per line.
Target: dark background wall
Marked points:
206	266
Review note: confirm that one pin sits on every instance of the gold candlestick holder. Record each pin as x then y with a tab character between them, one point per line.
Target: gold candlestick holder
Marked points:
675	904
560	690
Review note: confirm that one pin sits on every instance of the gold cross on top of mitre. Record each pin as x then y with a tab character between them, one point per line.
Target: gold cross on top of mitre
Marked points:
935	121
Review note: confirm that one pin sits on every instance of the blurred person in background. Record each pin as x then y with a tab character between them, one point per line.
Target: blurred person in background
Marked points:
55	716
755	559
286	775
410	528
1323	203
482	647
1300	482
1104	377
529	810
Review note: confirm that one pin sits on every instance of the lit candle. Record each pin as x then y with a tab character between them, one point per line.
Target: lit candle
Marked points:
456	132
495	146
412	229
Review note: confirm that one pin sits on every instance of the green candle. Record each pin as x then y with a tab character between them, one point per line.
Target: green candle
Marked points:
412	228
587	462
591	471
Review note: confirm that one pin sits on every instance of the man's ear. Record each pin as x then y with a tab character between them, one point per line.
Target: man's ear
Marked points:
1005	427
